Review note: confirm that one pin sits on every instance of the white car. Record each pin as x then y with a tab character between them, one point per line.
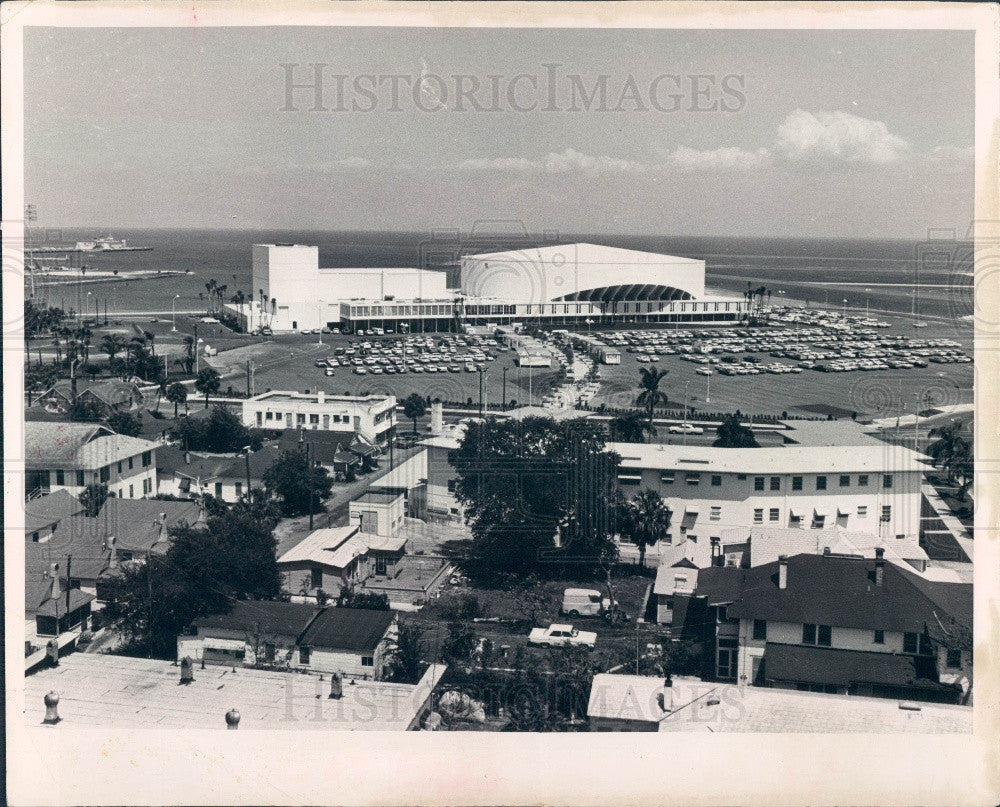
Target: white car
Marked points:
703	371
686	428
561	636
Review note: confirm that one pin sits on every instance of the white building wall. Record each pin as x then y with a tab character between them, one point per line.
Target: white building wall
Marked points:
370	419
738	500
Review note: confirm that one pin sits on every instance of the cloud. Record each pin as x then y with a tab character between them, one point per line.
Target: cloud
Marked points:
565	162
838	137
728	158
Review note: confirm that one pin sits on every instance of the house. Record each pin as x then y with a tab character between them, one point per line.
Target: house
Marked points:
377	512
43	514
71	456
688	704
870	487
352	641
286	635
253	632
334	558
332	450
371	417
52	609
842	625
108	396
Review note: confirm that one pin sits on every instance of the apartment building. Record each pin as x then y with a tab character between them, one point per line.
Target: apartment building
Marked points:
71	456
369	417
874	488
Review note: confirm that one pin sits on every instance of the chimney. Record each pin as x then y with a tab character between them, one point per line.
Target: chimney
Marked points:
879	566
187	457
113	560
716	551
826	551
54	574
783	571
437	418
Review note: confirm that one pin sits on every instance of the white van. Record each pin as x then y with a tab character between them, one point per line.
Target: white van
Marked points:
584	602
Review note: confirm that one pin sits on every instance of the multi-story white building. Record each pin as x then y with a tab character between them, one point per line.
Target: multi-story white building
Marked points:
370	417
71	456
873	488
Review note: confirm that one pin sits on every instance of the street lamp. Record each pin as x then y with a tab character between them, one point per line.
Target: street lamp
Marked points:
685	435
86	305
589	322
504	402
867	292
173	313
844	314
708	386
319	320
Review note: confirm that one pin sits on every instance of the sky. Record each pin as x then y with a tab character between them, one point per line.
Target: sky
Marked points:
840	134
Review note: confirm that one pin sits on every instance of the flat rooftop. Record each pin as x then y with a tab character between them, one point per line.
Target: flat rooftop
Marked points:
130	693
287	396
378	497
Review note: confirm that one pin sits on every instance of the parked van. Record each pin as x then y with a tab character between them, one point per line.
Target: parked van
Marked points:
583	602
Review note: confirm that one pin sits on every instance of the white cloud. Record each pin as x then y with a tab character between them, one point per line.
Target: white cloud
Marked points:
838	137
728	158
565	162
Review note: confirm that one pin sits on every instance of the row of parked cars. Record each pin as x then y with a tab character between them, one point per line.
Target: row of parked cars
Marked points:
414	354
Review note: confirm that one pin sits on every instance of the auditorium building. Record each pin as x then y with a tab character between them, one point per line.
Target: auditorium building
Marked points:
570	284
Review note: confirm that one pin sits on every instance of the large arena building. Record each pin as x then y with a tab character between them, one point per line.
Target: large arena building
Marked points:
564	284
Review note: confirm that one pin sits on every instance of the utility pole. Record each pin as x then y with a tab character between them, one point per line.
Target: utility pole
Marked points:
312	487
248	378
504	401
246	458
481	394
685	435
69	569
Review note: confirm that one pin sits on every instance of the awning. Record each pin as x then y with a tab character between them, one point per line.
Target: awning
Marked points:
211	643
689	518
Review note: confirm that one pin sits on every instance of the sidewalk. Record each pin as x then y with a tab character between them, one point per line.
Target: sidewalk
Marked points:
962	536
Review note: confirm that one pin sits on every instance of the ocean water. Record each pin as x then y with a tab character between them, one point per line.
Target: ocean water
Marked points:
819	271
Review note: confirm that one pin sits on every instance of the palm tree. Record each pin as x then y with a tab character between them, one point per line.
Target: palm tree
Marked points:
177	394
210	288
112	344
189	345
151	338
948	445
651	397
650	521
414	407
208	382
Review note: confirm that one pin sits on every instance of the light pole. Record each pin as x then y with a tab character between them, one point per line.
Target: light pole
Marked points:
708	386
173	313
844	313
319	320
867	292
86	305
246	456
504	402
197	355
685	434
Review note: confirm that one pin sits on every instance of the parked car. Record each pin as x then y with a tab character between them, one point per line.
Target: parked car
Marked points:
561	636
685	428
583	602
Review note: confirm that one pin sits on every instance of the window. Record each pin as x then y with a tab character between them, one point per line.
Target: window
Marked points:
667	478
715	513
131	491
909	643
131	463
105	473
758	515
887	481
147	458
862	511
239	489
269	651
147	486
818	521
716	481
218	490
794	521
796	483
314	419
34	537
269	416
316	580
304	655
774	514
451	485
886	512
693	479
301	418
808	634
825	635
924	645
119	466
60	477
879	637
845	481
367	661
775	483
863	481
954	661
758	483
760	630
820	483
633	478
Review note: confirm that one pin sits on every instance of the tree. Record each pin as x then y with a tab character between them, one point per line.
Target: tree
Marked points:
177	394
948	446
86	410
93	497
222	432
113	344
208	383
290	479
39	377
364	600
526	483
649	521
406	654
189	351
733	434
204	571
125	423
651	397
962	466
459	645
93	370
630	428
414	407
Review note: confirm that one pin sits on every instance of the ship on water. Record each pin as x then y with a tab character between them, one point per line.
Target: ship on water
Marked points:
107	243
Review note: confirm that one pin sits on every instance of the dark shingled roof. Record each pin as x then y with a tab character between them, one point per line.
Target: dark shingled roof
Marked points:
823	665
839	591
50	509
262	616
354	629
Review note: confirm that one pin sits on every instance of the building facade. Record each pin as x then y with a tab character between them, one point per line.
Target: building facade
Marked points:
370	417
871	488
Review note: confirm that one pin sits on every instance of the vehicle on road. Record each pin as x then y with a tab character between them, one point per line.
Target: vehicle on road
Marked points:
561	636
583	602
685	428
703	371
